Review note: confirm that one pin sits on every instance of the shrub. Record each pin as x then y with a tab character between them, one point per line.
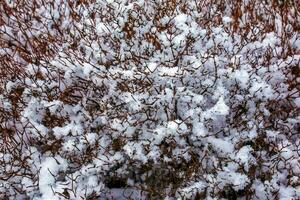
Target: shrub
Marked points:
178	99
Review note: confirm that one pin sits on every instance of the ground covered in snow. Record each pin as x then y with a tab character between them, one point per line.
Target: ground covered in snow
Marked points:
149	99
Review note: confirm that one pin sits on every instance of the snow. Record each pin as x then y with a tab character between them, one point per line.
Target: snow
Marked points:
245	157
237	180
123	194
199	129
49	169
242	77
221	144
226	20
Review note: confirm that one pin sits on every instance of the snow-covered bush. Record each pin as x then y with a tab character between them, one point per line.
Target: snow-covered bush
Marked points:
176	98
